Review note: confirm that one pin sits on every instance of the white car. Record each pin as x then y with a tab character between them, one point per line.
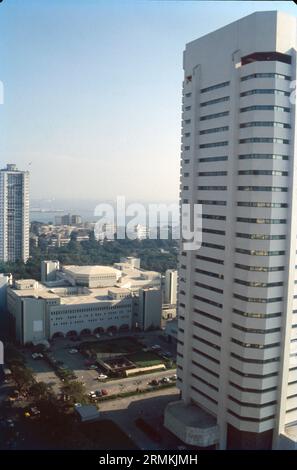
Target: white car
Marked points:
92	367
73	351
102	377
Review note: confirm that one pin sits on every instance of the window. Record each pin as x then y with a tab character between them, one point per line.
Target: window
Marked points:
266	56
211	203
263	156
260	220
275	189
275	205
260	236
256	315
265	107
263	172
215	87
213	144
265	75
207	315
213	245
214	116
213	159
212	188
265	124
263	269
263	140
265	91
209	273
212	173
215	232
257	300
210	260
215	101
214	130
260	252
213	217
204	286
258	283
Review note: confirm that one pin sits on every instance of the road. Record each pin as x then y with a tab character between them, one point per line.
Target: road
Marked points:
150	407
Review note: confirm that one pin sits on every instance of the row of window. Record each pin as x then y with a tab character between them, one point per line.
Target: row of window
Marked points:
263	140
260	252
263	269
265	107
265	75
260	236
258	283
274	205
214	130
262	156
265	91
214	116
258	300
256	315
215	101
251	220
214	87
274	189
265	124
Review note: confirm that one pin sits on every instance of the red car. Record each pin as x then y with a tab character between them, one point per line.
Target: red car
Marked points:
104	392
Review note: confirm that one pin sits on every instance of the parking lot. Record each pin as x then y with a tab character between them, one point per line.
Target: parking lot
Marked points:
76	362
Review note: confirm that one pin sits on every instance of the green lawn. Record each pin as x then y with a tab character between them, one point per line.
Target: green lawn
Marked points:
145	359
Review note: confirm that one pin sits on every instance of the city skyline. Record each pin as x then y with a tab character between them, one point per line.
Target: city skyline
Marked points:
95	93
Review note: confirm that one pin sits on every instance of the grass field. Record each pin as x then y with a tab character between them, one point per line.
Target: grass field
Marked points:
145	359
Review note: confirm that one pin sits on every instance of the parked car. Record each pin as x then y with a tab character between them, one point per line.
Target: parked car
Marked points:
102	377
73	351
165	380
92	367
173	378
154	382
156	347
104	392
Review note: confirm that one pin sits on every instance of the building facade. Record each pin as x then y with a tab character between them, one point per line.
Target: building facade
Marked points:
14	214
84	300
237	313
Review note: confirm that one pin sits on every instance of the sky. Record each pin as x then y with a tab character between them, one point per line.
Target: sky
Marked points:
92	92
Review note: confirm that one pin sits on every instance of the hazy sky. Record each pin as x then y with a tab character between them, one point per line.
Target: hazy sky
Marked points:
93	91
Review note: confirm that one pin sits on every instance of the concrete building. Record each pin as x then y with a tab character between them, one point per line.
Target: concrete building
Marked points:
84	300
170	287
14	214
49	270
237	325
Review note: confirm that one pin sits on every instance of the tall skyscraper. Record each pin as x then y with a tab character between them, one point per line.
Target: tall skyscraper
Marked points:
14	214
237	313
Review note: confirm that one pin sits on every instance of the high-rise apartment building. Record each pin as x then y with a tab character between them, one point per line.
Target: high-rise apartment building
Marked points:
237	325
14	214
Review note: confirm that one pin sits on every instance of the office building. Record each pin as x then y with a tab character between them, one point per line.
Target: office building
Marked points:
14	214
170	287
84	300
237	321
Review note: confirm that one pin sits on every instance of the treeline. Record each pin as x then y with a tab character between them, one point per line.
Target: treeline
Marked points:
157	255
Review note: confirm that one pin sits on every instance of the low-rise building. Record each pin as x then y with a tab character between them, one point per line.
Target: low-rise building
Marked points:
85	300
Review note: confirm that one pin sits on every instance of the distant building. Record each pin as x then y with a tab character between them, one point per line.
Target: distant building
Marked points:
49	270
76	219
14	214
68	219
170	290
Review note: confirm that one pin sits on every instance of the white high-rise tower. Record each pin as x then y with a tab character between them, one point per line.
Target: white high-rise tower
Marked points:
237	338
14	214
